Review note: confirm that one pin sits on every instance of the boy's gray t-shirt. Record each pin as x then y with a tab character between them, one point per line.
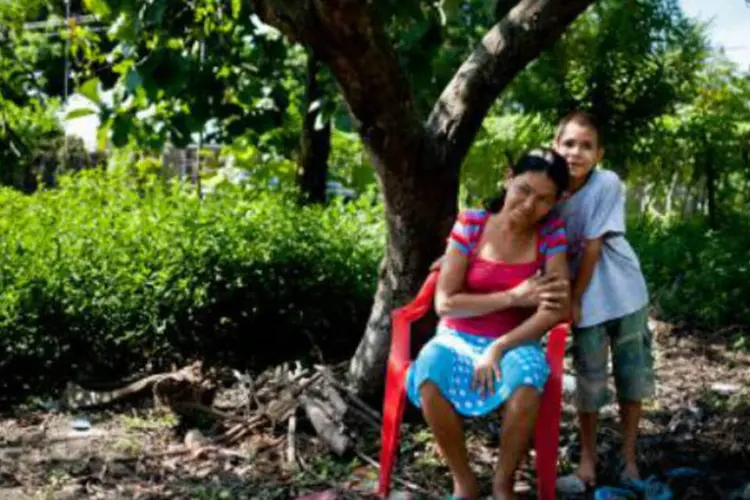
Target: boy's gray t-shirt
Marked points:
617	287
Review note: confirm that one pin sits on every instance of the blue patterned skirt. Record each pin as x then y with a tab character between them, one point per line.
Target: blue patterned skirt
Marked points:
447	360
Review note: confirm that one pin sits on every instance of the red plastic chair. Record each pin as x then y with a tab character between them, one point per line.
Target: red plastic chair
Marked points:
547	432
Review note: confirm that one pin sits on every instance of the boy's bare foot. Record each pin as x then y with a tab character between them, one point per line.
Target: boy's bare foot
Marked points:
502	491
630	472
587	471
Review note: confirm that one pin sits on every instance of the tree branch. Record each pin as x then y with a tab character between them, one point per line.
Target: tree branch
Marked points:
509	46
349	38
502	7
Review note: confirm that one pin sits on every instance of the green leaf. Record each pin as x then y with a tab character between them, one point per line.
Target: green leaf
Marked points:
78	113
101	136
448	10
236	8
133	80
120	130
90	90
98	7
156	12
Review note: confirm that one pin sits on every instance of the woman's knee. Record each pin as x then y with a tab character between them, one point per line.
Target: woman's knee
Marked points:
524	401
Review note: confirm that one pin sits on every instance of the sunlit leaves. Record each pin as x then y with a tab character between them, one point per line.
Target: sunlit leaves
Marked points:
90	90
205	58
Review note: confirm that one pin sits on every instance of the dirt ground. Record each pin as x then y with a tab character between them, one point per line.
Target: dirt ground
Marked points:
700	419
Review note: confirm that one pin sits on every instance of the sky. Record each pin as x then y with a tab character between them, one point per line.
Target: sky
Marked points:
729	25
729	28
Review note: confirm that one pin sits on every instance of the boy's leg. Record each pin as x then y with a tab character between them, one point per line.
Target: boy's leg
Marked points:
630	417
633	366
588	423
590	356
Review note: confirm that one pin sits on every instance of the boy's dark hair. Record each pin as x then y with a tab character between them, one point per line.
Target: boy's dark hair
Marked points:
582	118
538	160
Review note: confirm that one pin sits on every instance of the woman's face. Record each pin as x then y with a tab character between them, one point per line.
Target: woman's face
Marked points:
530	196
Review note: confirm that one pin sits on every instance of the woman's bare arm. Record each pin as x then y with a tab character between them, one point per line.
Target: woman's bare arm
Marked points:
551	289
451	301
544	318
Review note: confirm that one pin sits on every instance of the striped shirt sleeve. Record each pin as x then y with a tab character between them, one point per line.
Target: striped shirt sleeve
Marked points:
465	230
554	240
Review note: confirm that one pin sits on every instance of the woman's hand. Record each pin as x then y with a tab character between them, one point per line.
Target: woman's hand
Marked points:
487	370
435	266
548	291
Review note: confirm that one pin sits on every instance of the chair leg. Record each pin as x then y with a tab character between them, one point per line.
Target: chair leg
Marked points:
393	410
546	445
547	433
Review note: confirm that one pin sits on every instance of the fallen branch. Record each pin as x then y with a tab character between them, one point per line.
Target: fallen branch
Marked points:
188	381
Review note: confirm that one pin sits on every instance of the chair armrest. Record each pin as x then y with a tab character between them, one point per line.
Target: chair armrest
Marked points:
424	299
403	317
556	348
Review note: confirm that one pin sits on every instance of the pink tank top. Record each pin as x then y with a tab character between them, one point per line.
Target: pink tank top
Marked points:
486	276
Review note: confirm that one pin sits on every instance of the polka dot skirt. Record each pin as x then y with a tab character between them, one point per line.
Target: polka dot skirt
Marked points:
447	360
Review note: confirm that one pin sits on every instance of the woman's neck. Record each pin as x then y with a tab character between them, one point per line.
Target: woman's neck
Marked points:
506	225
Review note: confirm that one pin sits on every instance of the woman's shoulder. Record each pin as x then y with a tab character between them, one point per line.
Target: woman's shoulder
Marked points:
553	223
473	215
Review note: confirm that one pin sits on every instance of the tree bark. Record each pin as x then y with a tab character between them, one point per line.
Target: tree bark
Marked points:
417	164
315	141
502	7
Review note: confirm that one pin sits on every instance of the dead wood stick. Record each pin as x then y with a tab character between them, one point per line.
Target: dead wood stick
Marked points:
366	417
182	450
348	392
185	450
291	448
212	412
238	432
338	404
325	427
396	479
204	450
299	389
229	435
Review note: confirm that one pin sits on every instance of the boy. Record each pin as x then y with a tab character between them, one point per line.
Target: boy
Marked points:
609	298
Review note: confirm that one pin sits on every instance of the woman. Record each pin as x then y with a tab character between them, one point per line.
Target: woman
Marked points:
503	284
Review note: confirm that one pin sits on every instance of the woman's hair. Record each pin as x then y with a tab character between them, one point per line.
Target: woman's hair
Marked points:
544	160
583	119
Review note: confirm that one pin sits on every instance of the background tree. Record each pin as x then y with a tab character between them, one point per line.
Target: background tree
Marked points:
626	62
417	161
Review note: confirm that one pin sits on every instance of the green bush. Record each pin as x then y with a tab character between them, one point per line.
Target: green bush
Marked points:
100	276
697	275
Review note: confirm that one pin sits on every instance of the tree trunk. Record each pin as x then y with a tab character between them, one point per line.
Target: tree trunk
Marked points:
315	140
417	164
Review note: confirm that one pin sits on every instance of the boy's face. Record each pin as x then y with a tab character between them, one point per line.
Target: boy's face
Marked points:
579	145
